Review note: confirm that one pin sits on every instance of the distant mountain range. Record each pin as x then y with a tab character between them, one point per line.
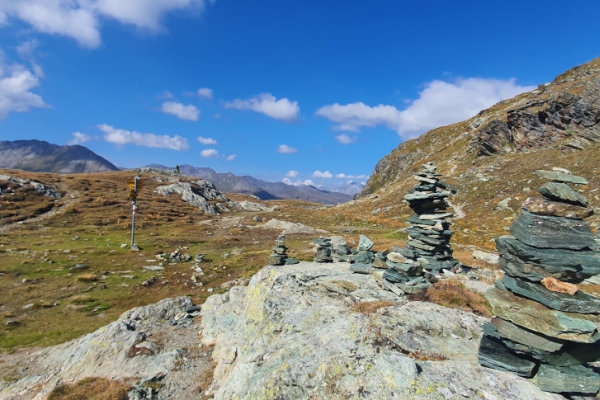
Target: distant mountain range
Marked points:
41	156
228	182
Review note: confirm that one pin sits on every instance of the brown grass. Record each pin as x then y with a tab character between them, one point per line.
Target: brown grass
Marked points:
91	389
370	307
453	294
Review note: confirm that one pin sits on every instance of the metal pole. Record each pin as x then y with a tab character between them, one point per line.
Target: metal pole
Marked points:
133	208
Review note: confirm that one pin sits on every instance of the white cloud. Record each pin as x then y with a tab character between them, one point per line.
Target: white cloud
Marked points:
319	174
80	19
166	95
207	141
16	83
345	139
209	153
440	103
299	182
205	93
189	112
79	138
231	157
266	103
291	174
344	176
285	149
122	136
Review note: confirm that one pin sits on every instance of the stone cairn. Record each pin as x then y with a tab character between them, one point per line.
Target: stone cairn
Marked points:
323	250
413	269
279	253
543	325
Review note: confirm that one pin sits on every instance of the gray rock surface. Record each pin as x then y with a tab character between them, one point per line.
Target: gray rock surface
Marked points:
298	335
144	343
190	195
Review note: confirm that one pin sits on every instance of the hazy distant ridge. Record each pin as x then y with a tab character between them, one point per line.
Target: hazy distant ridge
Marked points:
228	182
41	156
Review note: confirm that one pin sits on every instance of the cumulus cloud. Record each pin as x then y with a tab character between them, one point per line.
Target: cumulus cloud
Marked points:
299	182
291	174
207	140
205	93
209	153
285	149
80	19
189	112
231	157
265	103
79	138
440	103
345	139
16	85
344	176
319	174
122	136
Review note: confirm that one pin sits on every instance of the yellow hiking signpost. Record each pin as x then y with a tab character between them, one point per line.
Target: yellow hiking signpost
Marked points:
134	184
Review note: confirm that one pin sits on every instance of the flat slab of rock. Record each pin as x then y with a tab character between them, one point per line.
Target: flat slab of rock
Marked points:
558	176
521	335
534	316
547	232
562	192
580	302
539	205
495	355
414	197
576	379
520	260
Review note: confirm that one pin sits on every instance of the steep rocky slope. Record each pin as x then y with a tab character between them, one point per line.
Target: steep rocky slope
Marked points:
491	157
41	156
563	115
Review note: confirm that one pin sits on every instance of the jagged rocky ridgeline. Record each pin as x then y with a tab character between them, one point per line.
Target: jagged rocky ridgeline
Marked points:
279	253
544	327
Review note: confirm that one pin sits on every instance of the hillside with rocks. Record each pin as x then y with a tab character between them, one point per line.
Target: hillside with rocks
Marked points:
273	339
41	156
490	158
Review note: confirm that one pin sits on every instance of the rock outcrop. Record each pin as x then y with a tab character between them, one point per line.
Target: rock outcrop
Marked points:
317	330
44	190
197	195
545	326
144	344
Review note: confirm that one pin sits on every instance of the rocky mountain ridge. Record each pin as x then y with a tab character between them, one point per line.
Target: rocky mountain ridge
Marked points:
230	183
41	156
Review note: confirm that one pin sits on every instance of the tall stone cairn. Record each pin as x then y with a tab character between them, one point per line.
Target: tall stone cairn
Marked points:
429	234
323	250
412	269
543	325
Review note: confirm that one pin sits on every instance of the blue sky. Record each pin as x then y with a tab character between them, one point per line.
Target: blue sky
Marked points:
301	91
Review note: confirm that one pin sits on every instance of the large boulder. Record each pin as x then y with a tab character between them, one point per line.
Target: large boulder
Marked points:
316	330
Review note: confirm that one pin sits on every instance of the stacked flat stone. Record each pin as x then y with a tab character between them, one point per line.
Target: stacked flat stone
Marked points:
323	250
279	254
429	234
362	258
543	325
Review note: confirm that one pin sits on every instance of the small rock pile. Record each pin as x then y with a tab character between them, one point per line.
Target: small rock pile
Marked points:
323	250
429	234
544	325
279	253
175	256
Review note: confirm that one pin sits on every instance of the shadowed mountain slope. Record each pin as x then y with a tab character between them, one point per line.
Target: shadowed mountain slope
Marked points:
41	156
